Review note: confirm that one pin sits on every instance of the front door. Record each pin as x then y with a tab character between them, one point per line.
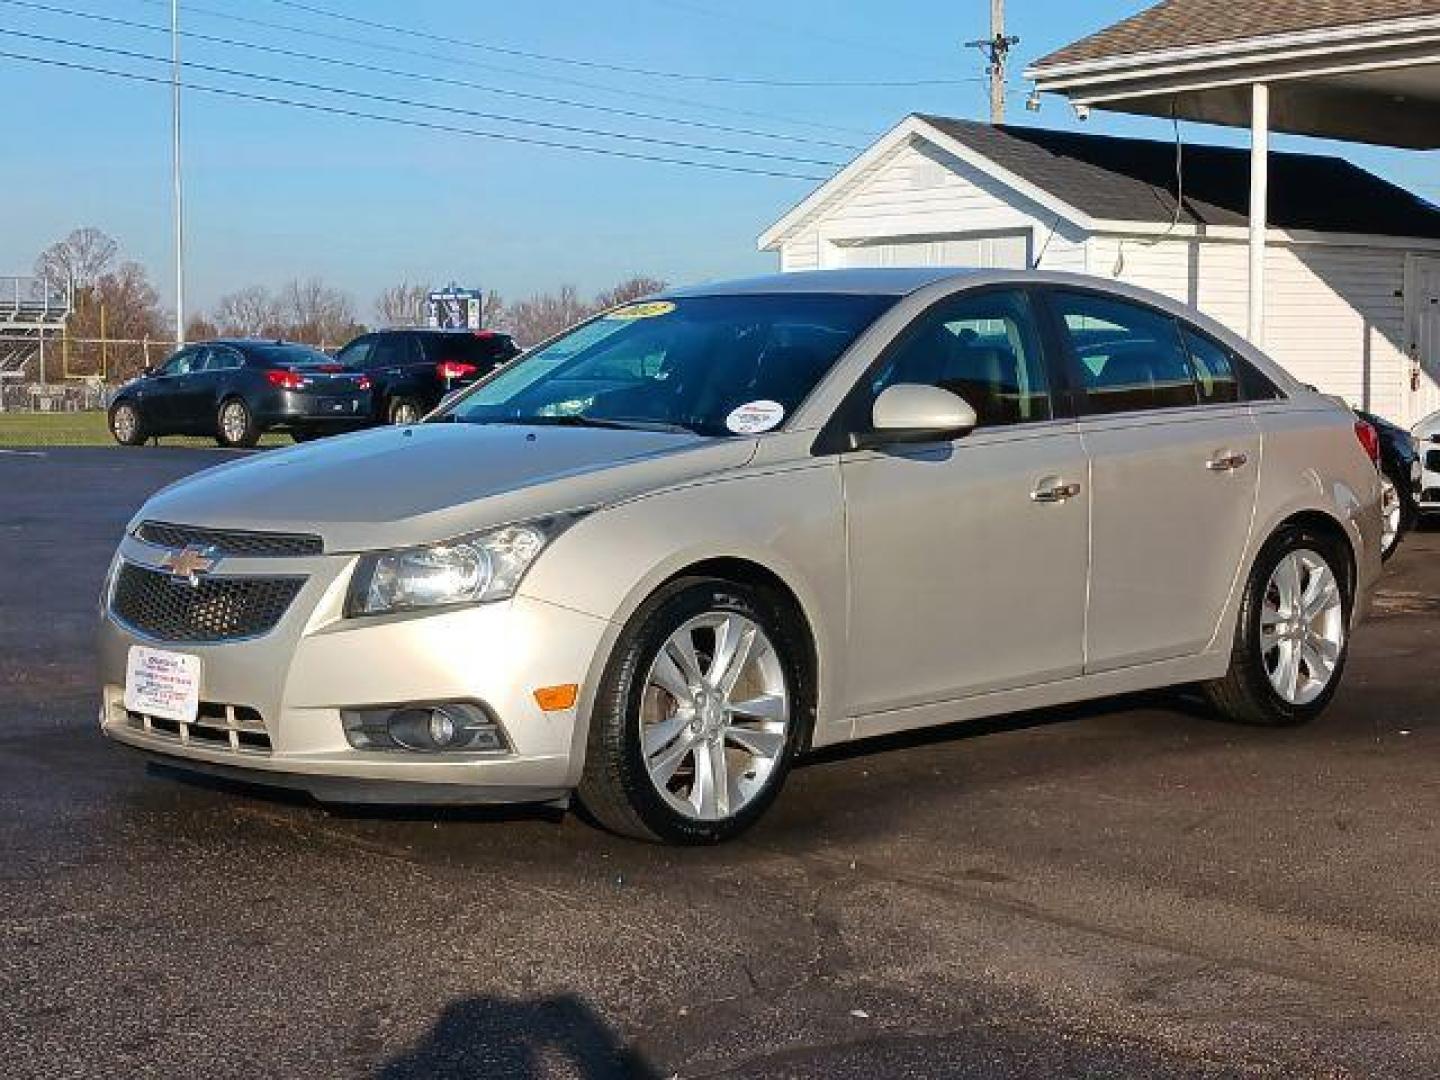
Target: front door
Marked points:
1422	333
967	558
1174	472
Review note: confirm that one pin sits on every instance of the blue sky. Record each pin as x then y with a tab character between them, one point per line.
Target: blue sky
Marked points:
276	192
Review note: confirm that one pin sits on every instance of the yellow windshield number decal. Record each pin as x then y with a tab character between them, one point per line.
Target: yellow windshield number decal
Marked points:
652	309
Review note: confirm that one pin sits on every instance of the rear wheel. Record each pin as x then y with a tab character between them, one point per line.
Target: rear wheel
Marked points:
698	716
235	425
404	411
1292	637
1392	508
126	426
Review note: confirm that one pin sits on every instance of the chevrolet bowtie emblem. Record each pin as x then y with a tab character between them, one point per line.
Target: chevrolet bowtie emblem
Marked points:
190	562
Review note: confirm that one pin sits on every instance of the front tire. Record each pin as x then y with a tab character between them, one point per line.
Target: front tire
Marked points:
404	411
126	426
1293	634
235	424
698	716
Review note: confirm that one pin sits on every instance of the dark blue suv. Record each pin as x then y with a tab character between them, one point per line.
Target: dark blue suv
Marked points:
238	389
412	369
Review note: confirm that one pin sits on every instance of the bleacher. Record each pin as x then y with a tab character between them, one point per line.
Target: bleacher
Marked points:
32	312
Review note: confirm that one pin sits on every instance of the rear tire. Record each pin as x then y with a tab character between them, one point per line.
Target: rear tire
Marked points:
1292	636
700	764
235	424
126	426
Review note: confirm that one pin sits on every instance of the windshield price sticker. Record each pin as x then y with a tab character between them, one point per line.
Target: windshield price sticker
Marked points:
652	309
755	417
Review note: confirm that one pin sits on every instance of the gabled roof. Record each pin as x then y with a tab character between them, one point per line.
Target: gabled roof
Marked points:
1119	179
1181	24
1094	179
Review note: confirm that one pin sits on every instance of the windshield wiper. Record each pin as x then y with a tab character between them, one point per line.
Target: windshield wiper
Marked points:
575	420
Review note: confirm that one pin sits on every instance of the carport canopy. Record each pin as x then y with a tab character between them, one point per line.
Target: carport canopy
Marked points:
1357	70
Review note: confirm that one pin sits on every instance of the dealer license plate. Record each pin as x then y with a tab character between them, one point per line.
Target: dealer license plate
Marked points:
162	683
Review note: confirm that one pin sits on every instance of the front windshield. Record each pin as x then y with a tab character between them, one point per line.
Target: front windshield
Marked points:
715	365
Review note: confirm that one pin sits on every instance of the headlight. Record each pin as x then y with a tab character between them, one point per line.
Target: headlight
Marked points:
470	570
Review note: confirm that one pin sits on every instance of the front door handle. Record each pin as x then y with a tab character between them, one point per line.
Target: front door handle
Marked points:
1226	462
1051	490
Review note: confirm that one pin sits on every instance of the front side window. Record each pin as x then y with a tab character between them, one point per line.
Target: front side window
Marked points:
1129	357
358	354
715	365
983	347
183	362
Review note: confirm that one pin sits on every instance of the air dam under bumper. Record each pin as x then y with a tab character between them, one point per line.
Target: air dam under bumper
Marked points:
295	680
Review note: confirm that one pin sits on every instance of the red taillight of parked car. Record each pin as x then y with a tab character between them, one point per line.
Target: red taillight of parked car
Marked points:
454	369
363	382
1369	439
286	380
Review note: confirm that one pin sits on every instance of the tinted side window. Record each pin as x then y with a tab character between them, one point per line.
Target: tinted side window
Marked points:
358	354
1129	357
1214	368
183	362
1253	385
983	347
390	350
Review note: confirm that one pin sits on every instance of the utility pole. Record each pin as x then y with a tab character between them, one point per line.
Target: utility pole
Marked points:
996	49
179	193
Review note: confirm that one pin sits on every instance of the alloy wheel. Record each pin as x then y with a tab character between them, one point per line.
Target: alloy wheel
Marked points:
124	423
234	420
714	716
405	413
1302	626
1391	510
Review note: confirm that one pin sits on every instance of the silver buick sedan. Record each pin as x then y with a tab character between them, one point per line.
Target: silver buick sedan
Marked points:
654	560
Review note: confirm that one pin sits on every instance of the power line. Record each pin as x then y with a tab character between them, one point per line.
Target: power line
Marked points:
411	103
410	122
391	47
600	65
441	80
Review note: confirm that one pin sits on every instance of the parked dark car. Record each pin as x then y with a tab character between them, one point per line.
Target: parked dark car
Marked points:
412	369
1400	480
238	389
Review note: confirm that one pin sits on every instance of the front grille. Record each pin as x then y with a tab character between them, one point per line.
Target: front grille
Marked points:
237	728
167	608
236	542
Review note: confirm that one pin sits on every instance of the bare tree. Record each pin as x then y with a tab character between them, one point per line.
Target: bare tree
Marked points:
250	312
630	289
492	311
116	310
402	304
77	261
544	315
317	314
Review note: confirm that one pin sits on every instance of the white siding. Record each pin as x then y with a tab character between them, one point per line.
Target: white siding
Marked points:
1332	316
925	197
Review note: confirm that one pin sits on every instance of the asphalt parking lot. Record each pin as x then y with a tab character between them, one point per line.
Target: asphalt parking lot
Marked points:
1122	889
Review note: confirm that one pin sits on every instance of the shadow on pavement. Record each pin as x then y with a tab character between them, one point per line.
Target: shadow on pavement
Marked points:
523	1039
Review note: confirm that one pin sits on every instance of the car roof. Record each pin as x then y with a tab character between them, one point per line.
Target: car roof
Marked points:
443	331
255	343
870	281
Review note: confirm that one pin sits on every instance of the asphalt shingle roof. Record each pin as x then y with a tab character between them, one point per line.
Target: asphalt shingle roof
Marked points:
1134	180
1177	24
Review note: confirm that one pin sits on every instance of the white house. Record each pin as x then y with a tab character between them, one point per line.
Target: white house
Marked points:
1349	257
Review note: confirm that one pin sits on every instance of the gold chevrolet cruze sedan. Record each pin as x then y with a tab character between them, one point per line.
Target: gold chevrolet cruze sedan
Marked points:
655	559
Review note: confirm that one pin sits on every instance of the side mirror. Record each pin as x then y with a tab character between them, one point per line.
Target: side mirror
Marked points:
912	413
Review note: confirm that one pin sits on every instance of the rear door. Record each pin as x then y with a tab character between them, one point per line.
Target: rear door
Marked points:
1174	470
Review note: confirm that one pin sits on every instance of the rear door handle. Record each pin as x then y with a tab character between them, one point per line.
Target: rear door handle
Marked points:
1226	462
1054	491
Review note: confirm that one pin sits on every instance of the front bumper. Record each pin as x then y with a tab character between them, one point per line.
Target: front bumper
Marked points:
291	683
1428	498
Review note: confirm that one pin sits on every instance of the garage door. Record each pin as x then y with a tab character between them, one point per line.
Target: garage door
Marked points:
1009	251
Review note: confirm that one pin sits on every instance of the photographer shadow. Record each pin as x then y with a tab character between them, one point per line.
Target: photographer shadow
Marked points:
521	1039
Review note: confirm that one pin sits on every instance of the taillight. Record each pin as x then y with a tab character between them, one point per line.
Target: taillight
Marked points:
1369	439
454	369
286	380
363	382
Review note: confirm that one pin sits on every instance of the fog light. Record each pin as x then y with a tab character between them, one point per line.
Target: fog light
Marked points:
424	728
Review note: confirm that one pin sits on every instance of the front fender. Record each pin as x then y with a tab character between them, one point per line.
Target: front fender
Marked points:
788	521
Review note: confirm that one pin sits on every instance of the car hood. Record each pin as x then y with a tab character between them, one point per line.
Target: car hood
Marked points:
394	487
